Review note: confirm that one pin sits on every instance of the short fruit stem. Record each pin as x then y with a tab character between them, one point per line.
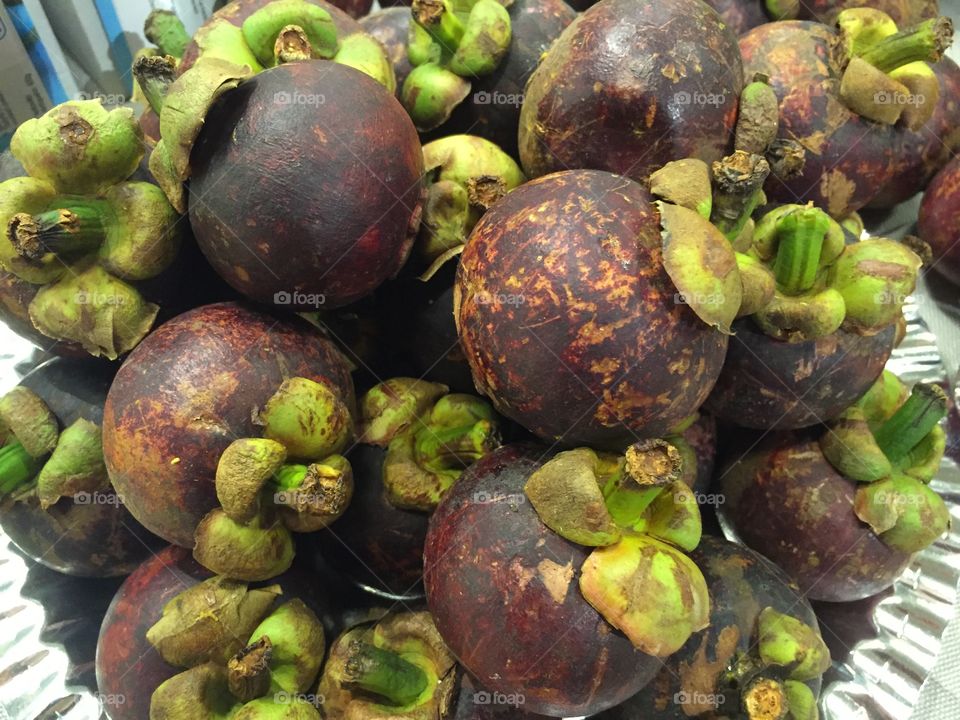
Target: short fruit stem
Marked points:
248	672
165	30
649	467
926	406
290	477
800	238
292	45
384	673
439	19
764	699
75	229
17	467
924	42
155	75
738	180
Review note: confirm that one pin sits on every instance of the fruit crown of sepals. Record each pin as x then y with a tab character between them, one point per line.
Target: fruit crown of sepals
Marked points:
887	78
77	227
640	517
204	628
891	443
265	492
431	437
465	175
769	680
398	666
38	460
451	42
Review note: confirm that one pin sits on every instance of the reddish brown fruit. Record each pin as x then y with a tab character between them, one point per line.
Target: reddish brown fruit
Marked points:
569	321
940	218
503	590
239	10
920	154
767	383
188	391
293	200
629	86
848	158
784	499
741	15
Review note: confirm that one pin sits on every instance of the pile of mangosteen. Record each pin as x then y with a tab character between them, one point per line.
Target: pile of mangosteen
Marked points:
476	359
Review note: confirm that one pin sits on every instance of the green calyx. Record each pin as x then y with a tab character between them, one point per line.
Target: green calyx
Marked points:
79	147
364	53
310	497
904	512
29	196
394	406
649	590
297	646
200	693
801	702
244	469
685	183
422	464
758	119
209	621
308	418
258	550
17	468
76	464
862	28
926	42
267	709
466	174
398	667
788	643
165	30
702	265
26	415
450	44
264	34
759	285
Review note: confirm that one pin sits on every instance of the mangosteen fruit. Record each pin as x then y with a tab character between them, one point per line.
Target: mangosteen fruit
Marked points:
922	153
583	319
939	216
824	338
415	439
200	383
56	502
79	234
741	15
492	109
628	87
841	93
842	510
563	579
761	657
391	27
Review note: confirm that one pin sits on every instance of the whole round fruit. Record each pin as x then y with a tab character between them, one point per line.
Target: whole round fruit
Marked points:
177	403
939	219
629	86
504	593
306	186
569	320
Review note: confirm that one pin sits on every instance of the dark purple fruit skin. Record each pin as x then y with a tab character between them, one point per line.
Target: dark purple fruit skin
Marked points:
127	665
783	498
486	558
848	158
535	25
592	349
239	10
84	539
940	219
15	297
391	26
317	198
740	15
702	437
922	153
475	703
742	583
376	543
616	91
905	13
768	383
188	391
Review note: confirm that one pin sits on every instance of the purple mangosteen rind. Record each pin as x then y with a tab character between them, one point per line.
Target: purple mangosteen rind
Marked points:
613	318
938	215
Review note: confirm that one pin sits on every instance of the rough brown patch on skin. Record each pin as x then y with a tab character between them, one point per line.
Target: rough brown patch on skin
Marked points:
75	132
556	578
698	676
879	268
